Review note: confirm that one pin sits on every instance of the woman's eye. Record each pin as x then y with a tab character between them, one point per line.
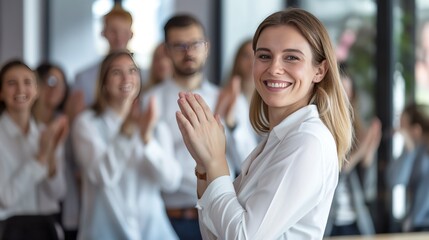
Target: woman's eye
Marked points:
291	58
11	82
263	56
28	82
133	70
115	72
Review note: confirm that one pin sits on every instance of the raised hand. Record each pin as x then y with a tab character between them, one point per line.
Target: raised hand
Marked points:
148	120
227	99
54	135
74	105
202	133
131	122
372	141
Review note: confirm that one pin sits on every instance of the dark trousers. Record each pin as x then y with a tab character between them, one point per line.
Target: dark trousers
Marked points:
186	229
345	230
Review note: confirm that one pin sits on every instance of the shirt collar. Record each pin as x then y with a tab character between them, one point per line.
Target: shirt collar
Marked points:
112	119
295	119
12	128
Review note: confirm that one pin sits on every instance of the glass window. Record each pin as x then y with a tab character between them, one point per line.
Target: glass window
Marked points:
422	52
148	20
240	18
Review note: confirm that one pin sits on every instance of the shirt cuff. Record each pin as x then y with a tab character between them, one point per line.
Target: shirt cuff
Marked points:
216	188
36	169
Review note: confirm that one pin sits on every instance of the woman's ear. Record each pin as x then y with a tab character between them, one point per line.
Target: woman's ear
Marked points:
321	70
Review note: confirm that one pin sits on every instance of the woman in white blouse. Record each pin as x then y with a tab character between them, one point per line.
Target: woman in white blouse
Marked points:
287	183
31	174
123	166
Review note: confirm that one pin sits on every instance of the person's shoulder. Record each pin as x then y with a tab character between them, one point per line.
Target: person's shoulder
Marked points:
156	90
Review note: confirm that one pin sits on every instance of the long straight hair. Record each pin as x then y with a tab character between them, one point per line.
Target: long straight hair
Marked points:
100	103
329	95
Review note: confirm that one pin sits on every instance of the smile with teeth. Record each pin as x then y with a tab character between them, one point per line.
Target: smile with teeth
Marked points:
21	98
277	84
126	87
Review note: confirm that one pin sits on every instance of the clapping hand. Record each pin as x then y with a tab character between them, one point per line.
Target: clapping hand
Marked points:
54	134
227	99
202	133
148	120
145	120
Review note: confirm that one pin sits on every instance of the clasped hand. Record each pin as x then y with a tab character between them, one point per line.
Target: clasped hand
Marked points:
203	133
144	120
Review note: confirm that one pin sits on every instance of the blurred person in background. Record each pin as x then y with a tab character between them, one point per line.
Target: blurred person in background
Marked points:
188	47
54	99
161	67
32	178
126	159
117	31
411	169
242	69
349	213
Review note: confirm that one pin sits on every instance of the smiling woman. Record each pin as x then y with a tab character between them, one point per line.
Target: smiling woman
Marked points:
121	159
31	173
288	182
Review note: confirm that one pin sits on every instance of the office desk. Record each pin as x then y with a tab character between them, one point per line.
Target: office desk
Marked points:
390	236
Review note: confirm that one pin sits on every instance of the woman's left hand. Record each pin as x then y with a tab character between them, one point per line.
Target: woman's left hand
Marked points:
148	120
202	132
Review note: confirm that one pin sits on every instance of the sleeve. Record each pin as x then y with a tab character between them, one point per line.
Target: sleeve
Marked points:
159	154
55	186
291	185
420	206
398	171
14	185
102	160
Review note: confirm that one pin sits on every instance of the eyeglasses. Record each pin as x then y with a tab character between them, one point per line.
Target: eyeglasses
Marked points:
182	47
52	81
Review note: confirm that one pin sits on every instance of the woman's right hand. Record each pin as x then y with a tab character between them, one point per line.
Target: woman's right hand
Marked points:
148	120
203	134
54	134
130	123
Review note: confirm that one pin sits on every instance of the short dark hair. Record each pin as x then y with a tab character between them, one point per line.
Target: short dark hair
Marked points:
181	21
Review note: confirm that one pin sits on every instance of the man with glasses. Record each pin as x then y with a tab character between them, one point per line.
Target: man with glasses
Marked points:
188	48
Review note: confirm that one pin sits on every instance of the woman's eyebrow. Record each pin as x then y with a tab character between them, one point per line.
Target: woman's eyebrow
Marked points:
285	50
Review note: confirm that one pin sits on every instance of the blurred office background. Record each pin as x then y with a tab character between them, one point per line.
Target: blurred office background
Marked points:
380	40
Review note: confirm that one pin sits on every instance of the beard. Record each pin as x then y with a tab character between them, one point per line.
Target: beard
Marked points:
182	70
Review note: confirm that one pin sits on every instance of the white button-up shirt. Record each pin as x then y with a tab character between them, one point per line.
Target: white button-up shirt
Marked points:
123	179
286	187
240	142
25	187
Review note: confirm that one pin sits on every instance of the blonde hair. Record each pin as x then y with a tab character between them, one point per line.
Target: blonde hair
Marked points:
329	95
117	12
100	95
